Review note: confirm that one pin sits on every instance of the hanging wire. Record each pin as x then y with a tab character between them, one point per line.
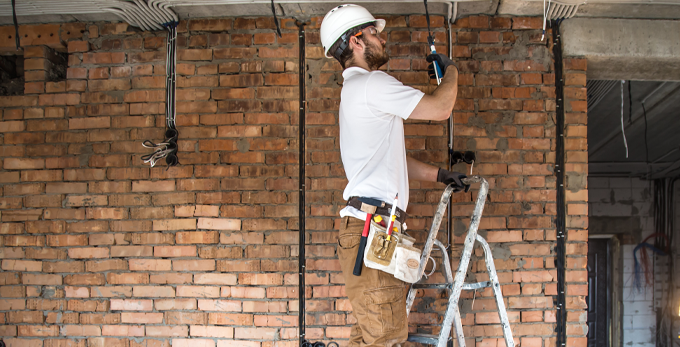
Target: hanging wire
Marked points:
430	38
16	25
276	20
644	112
643	266
623	130
630	104
167	149
545	17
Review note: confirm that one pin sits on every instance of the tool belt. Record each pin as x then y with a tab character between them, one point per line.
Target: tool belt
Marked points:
395	255
380	207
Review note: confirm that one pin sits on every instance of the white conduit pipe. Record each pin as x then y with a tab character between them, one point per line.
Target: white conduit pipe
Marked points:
156	5
134	12
166	6
563	10
559	10
123	15
141	14
144	7
140	23
147	17
573	11
144	18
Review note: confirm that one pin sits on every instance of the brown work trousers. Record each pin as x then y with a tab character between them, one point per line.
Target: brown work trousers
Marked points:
378	299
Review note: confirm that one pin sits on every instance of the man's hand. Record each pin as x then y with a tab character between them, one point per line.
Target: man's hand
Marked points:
454	178
443	62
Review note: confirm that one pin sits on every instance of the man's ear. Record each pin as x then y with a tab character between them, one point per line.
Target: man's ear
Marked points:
356	44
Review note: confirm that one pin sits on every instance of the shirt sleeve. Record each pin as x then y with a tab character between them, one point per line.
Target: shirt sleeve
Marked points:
385	95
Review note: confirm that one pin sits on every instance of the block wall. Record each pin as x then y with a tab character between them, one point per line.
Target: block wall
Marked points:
625	206
98	249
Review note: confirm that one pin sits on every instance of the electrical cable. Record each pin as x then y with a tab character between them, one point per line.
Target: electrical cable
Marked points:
301	187
545	17
561	213
630	104
429	30
276	20
644	112
168	149
623	130
16	25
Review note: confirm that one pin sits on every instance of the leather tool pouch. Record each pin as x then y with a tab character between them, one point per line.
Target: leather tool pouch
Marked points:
381	249
396	256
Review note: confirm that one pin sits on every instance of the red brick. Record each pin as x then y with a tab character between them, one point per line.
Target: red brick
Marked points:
131	305
78	46
88	253
194	54
527	23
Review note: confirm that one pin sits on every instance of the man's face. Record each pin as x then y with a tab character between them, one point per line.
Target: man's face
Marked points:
375	53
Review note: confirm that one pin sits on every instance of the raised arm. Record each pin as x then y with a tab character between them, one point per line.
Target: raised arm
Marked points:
439	105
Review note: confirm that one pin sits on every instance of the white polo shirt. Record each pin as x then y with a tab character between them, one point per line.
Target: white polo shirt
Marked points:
373	106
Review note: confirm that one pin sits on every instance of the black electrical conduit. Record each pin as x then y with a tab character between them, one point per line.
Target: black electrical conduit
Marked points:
301	208
301	181
560	219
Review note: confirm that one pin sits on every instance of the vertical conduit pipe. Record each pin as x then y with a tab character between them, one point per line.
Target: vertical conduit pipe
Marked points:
560	219
301	179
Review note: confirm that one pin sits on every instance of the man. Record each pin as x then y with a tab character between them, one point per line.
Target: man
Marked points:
372	109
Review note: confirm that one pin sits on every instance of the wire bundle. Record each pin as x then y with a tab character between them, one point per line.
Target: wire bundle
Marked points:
168	148
148	15
644	265
664	218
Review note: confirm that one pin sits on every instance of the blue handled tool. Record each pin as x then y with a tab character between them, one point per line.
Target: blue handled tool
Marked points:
437	69
430	40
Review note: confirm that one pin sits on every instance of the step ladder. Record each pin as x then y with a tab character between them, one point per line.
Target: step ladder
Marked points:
456	285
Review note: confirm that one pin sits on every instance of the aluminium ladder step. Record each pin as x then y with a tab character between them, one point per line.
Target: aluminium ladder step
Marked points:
466	286
425	338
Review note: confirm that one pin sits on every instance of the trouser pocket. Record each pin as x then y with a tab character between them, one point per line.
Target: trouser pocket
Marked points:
385	309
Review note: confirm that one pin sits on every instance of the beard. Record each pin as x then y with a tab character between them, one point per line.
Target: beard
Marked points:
375	56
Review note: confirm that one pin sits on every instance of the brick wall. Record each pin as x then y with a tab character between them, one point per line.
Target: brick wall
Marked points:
98	249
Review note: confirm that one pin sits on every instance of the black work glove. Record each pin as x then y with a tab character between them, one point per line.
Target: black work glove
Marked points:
443	62
454	179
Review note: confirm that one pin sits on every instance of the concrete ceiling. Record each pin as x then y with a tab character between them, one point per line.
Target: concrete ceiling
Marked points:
306	9
606	150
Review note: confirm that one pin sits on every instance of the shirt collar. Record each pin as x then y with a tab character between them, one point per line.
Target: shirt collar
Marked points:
352	71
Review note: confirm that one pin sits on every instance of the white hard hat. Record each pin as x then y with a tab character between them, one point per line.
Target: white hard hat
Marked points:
342	18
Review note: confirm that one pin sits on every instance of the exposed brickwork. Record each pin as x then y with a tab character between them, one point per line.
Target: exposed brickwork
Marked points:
98	249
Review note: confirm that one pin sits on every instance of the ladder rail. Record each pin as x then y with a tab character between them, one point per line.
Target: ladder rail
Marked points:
459	279
431	236
457	284
497	293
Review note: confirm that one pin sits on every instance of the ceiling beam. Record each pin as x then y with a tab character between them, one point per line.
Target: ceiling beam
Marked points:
625	49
